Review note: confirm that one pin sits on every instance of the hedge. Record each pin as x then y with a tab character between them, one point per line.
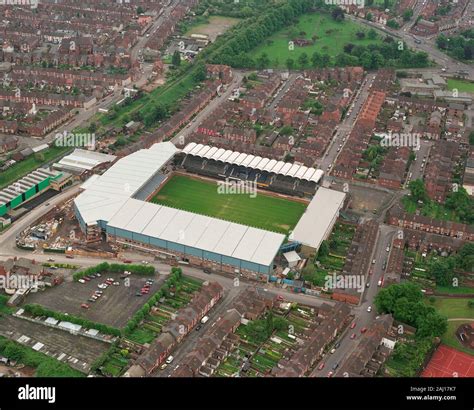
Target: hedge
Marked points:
38	310
45	366
116	268
140	314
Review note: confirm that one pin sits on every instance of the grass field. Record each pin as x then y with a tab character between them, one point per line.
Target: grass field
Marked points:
263	211
461	86
331	38
453	308
30	164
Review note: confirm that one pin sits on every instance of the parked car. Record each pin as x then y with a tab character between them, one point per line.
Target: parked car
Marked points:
353	325
116	283
353	336
81	281
85	306
50	260
138	294
321	366
91	300
198	327
169	359
163	366
363	330
87	279
369	309
330	374
69	257
335	366
208	271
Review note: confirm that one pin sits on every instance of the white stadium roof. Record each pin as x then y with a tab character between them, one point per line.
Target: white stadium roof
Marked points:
105	194
198	231
319	217
298	171
109	198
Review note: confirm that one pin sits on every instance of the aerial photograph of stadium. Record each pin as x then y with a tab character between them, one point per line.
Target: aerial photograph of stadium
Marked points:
193	191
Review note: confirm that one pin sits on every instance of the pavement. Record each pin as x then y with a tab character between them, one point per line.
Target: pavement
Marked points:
426	45
181	137
345	128
362	317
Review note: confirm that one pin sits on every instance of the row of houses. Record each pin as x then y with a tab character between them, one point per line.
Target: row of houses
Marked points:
439	169
220	339
175	330
358	260
40	98
167	28
330	321
397	216
371	350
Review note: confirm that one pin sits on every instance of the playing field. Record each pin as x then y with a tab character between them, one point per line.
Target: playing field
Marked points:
202	197
329	38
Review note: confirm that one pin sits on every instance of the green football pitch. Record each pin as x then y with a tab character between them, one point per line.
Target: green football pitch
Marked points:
202	197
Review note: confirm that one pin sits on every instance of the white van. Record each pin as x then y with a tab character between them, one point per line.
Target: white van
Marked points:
204	319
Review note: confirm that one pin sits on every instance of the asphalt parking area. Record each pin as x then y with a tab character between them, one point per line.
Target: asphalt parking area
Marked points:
114	308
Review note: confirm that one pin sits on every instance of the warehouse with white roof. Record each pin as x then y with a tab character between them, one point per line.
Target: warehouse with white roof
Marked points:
112	203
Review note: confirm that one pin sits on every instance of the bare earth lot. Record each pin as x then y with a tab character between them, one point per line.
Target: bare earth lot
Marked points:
217	25
114	308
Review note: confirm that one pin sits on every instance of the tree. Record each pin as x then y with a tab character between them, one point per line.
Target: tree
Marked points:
263	61
200	73
407	14
337	14
176	59
303	60
369	16
93	127
323	250
290	64
418	190
360	35
440	271
432	324
393	24
372	34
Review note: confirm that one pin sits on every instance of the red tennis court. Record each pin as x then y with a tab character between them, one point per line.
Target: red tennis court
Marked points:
449	362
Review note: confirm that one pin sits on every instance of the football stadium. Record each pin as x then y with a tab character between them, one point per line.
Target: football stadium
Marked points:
166	201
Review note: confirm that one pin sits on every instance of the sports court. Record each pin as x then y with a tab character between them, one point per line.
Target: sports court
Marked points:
449	362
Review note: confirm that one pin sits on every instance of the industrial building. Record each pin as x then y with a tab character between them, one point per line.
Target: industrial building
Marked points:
28	187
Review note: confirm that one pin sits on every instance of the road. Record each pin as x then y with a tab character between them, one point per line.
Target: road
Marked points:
417	166
426	45
363	318
345	128
181	137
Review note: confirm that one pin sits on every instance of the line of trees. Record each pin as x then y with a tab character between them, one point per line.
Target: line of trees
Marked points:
132	324
115	268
